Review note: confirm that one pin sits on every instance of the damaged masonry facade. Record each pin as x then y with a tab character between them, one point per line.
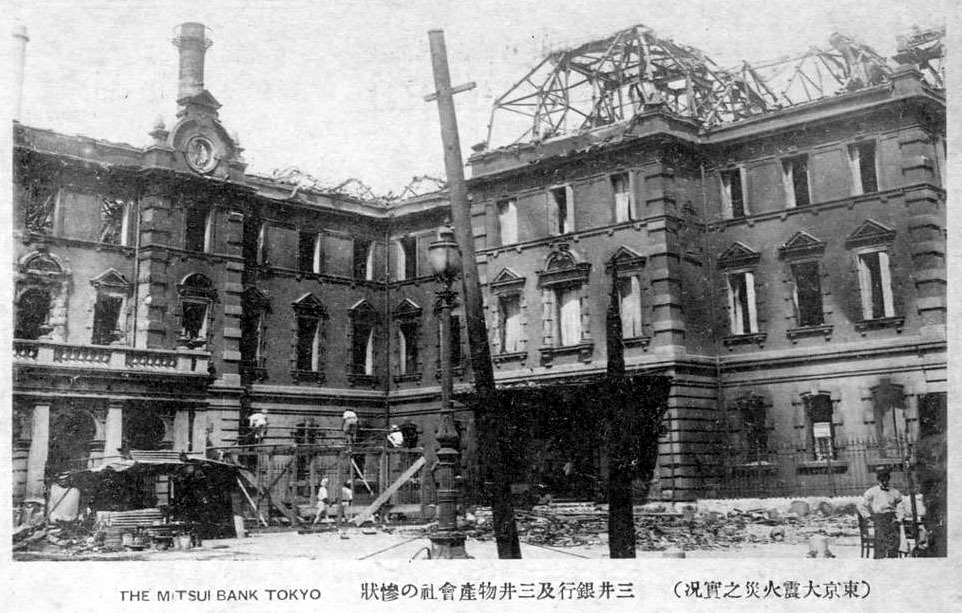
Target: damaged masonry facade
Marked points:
776	233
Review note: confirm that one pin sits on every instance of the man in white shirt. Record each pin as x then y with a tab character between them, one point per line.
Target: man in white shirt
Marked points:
395	437
258	425
880	504
350	425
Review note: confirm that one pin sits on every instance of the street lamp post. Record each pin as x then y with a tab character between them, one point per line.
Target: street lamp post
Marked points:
448	541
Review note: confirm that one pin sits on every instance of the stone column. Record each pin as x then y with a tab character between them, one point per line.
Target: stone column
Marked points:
39	446
114	429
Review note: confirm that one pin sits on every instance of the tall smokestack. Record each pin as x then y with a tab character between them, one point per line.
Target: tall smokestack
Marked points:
19	59
191	38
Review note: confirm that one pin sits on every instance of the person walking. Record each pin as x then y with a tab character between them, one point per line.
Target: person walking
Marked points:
880	504
347	497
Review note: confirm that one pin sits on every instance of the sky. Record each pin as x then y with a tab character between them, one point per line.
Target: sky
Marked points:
337	88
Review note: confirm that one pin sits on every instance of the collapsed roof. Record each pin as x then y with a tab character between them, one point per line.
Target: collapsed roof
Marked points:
611	80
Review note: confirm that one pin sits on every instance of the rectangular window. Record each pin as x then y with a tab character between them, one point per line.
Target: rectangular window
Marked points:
196	230
629	290
741	302
864	174
756	430
509	314
107	312
407	258
875	284
263	245
408	347
795	175
363	259
562	210
821	429
624	198
362	349
194	320
568	316
307	250
733	198
508	222
308	344
808	294
114	221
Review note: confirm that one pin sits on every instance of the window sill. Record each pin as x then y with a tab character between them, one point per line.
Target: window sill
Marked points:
302	376
408	378
755	468
362	380
822	330
745	339
877	324
820	466
637	341
584	351
456	371
894	463
513	356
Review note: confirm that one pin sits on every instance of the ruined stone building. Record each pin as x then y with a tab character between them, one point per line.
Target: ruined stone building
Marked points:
779	252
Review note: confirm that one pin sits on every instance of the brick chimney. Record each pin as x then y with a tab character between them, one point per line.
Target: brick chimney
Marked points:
191	38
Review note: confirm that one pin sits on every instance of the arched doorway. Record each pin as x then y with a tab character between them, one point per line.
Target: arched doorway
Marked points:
33	312
70	436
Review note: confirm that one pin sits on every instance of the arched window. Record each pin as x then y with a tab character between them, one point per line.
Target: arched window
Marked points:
197	294
41	302
363	334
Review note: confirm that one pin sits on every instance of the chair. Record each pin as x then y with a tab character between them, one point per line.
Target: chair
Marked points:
866	534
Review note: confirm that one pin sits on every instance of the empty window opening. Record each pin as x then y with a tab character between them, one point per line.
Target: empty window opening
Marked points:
113	221
741	291
756	429
363	259
508	222
33	313
509	314
407	258
561	203
408	347
629	291
733	199
568	316
194	320
821	429
808	294
263	245
197	229
362	349
308	344
107	311
308	250
864	174
624	198
876	285
795	172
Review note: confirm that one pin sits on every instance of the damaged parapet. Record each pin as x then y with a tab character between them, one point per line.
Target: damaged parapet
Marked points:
612	80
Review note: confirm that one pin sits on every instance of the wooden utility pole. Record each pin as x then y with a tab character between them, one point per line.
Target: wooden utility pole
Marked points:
490	421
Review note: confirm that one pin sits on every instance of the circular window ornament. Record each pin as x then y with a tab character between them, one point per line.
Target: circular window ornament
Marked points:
200	154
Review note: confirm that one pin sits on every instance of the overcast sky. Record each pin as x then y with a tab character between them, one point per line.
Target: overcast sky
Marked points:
336	88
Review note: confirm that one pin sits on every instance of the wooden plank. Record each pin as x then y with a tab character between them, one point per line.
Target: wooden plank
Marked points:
386	494
251	501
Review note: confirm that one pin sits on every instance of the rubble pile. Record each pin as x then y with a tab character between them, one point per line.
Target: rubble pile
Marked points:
660	528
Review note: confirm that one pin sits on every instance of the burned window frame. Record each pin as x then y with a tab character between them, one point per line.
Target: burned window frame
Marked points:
112	286
309	311
196	291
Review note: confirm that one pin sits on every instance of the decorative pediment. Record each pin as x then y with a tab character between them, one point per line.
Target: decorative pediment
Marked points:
408	309
42	264
197	286
362	310
625	260
870	233
507	279
564	266
256	298
801	244
111	280
308	304
738	255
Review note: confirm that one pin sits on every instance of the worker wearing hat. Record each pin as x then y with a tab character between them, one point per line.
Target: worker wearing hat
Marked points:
880	504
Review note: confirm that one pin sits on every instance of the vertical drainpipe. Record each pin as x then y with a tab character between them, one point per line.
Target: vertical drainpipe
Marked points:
387	320
135	210
19	62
